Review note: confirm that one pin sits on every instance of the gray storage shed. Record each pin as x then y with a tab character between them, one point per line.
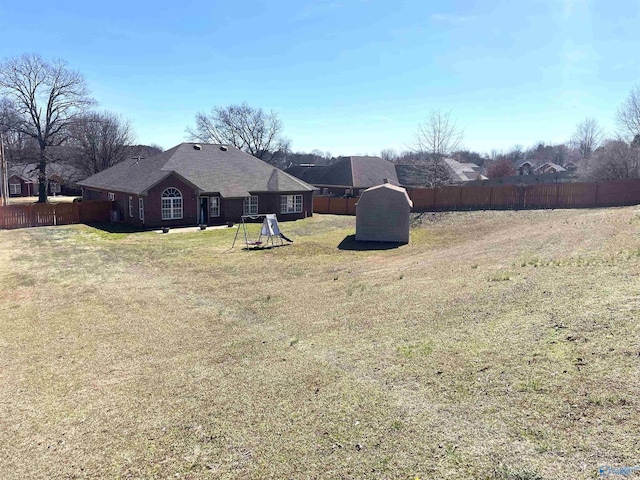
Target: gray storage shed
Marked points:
382	214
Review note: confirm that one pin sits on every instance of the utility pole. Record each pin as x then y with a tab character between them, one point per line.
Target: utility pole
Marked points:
4	175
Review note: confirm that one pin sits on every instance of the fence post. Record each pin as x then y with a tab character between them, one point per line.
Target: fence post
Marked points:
557	195
490	198
596	196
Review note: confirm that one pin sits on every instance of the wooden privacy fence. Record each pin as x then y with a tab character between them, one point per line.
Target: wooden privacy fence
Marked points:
336	205
44	214
505	197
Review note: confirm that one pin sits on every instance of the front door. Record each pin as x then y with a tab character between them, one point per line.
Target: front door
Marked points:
204	211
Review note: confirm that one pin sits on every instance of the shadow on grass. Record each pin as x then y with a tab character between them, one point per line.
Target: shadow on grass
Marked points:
260	248
115	227
349	243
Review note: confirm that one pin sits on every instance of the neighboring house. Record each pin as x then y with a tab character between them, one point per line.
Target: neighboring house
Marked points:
525	168
528	168
461	173
24	180
192	184
549	167
348	176
454	172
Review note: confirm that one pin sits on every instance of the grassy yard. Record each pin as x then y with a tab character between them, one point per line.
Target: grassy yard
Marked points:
497	345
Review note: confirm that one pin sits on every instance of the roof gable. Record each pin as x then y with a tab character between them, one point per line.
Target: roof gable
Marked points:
211	168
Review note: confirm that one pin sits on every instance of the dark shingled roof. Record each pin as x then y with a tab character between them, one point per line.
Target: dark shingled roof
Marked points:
229	172
412	175
355	172
29	172
310	174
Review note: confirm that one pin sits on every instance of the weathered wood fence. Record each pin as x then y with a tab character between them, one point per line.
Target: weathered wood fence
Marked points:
335	205
504	197
43	214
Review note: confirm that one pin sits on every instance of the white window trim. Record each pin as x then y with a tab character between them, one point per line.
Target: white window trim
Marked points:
13	190
251	205
54	186
291	203
111	196
214	206
141	208
175	212
130	206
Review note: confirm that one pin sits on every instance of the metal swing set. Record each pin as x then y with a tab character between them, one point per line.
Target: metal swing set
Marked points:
270	234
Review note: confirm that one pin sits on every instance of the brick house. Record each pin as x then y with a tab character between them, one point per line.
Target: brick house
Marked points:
193	184
348	176
24	182
22	186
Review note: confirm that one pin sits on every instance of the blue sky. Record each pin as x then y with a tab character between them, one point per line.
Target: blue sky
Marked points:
348	77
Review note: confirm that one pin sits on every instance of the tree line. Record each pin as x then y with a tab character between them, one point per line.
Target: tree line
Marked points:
598	155
47	113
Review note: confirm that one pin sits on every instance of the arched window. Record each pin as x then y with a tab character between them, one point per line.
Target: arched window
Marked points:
171	204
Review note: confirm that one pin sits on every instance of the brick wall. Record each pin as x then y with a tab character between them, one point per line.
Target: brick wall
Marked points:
231	209
153	204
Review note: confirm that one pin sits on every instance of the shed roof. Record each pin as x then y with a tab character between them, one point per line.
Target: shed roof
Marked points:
371	192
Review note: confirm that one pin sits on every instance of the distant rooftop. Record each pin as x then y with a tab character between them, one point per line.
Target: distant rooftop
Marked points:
348	172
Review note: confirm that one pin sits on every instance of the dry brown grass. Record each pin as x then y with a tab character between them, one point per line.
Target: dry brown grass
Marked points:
498	345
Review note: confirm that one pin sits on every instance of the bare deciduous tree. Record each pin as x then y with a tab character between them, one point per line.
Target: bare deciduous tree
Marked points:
247	128
18	146
7	115
615	160
436	139
389	154
628	115
439	135
500	168
587	137
47	98
101	141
